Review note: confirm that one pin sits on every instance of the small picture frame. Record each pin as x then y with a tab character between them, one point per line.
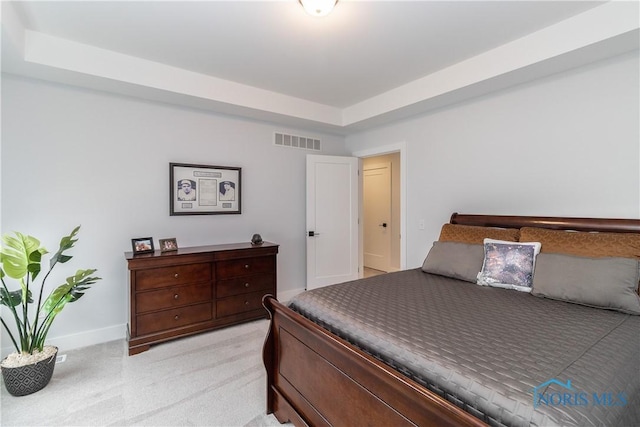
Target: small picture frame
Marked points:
168	245
204	189
142	245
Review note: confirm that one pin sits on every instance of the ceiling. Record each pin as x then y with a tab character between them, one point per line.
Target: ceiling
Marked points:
366	64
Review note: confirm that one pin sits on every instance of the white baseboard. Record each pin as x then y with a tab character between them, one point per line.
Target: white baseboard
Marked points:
83	339
112	333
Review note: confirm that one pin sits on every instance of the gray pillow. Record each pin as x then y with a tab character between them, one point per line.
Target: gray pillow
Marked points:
461	261
610	283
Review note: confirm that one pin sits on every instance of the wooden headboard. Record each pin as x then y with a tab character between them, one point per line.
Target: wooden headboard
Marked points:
556	223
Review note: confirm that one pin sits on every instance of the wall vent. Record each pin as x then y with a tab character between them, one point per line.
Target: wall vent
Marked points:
296	141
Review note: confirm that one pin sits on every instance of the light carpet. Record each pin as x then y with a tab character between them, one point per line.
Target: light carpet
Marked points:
211	379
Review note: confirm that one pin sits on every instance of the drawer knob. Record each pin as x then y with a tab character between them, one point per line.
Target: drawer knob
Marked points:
246	266
177	317
175	296
246	285
175	275
246	303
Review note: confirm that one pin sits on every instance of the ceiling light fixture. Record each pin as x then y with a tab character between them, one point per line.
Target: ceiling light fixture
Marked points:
318	7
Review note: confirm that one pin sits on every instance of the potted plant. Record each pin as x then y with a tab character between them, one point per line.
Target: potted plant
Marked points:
29	369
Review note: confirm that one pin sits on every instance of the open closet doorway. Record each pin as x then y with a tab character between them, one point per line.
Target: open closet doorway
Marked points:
381	213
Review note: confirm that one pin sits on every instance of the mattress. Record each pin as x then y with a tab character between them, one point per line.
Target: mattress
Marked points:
507	357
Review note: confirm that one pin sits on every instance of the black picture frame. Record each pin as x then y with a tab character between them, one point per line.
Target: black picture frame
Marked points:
204	189
142	245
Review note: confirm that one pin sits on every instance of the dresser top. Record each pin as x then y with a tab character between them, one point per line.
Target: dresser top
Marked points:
200	249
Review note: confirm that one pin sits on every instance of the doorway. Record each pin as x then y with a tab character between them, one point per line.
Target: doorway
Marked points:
381	212
317	231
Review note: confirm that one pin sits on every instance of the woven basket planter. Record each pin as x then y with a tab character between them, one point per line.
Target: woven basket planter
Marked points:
28	379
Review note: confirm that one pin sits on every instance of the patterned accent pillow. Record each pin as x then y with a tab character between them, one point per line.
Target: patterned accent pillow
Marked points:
580	243
508	265
475	235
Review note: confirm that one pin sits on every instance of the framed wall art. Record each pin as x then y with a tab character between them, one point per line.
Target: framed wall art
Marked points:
142	245
204	190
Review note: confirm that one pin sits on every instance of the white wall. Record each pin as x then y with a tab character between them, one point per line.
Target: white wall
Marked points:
567	145
72	156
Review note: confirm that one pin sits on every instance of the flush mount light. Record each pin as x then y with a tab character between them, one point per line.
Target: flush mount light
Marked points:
318	7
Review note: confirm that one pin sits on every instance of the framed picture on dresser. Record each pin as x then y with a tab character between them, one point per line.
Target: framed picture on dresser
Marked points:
204	189
168	245
142	245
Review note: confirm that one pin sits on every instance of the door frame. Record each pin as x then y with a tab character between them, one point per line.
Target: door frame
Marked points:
400	147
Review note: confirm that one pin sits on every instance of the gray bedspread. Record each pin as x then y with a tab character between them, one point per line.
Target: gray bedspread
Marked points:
505	356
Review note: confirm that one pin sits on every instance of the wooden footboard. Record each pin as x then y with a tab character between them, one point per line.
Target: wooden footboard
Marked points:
315	378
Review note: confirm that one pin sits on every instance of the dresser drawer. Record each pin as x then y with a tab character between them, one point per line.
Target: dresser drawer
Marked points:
172	297
174	275
247	266
245	285
239	304
169	319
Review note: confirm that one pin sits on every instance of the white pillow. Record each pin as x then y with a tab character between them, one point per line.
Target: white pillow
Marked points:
508	265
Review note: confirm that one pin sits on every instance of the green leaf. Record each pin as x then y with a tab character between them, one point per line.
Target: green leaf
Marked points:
21	255
14	298
71	291
35	258
66	243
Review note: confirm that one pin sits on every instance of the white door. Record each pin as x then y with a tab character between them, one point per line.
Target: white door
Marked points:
332	220
377	216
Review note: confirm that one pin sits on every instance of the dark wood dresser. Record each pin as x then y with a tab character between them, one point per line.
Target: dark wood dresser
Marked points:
196	289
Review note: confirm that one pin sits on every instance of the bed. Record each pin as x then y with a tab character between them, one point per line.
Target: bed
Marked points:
428	346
